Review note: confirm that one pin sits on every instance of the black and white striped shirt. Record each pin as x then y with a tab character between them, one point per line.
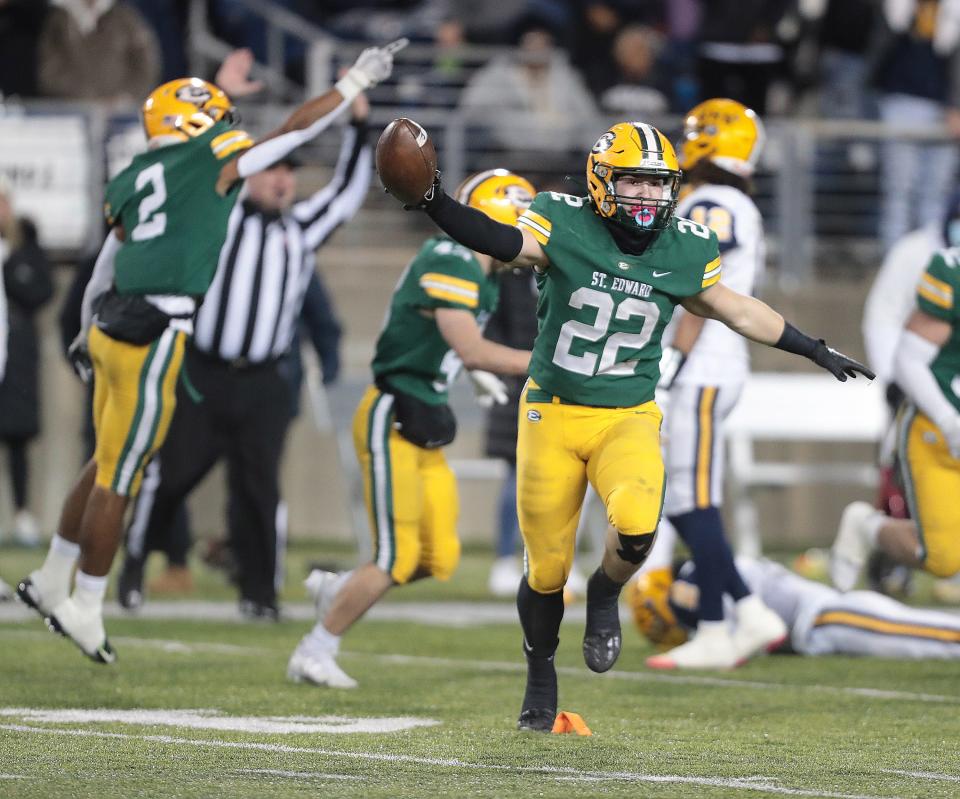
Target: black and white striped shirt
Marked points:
252	306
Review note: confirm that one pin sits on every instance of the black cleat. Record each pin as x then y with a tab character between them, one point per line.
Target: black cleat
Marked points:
601	638
28	594
540	698
130	583
536	719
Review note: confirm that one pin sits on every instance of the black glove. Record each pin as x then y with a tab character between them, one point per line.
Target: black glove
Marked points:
79	357
433	194
838	364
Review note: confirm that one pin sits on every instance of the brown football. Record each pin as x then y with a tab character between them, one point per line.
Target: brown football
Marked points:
406	160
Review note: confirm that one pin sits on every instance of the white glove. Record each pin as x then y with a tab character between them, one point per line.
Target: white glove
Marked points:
373	66
951	434
488	388
671	360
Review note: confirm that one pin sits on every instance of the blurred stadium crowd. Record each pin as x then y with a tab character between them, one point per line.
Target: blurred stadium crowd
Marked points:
535	80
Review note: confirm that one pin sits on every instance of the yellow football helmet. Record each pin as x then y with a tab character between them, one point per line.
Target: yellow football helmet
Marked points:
725	132
633	148
184	108
649	599
499	193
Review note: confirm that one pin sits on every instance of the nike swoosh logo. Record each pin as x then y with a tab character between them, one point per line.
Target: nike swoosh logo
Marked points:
655	273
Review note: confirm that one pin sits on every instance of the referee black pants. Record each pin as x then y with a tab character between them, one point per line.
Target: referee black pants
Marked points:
243	417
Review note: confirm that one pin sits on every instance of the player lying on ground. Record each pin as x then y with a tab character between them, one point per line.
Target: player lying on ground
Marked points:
611	268
820	619
168	212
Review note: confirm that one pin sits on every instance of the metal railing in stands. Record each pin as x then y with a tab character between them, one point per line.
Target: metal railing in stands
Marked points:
819	185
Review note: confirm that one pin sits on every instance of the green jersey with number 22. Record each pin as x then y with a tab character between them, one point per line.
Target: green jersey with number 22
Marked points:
173	219
602	312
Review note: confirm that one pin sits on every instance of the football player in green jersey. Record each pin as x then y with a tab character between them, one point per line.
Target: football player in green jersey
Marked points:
927	367
612	267
433	327
168	214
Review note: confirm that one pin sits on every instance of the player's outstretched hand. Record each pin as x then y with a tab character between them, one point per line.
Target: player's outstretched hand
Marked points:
838	364
375	64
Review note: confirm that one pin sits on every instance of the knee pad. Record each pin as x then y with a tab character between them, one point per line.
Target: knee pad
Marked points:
547	575
634	509
635	548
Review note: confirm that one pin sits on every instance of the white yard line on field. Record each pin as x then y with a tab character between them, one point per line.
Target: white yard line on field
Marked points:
923	775
300	775
651	676
185	648
759	784
163	644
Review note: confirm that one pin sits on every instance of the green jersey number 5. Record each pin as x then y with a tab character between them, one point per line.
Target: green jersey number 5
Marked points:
153	221
587	363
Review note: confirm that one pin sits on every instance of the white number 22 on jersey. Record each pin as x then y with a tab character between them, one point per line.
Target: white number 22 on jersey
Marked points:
587	363
152	221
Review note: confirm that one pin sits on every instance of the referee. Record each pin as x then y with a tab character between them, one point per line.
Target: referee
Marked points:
236	402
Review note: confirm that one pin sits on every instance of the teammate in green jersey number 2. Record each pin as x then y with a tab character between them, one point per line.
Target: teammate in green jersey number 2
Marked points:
611	267
168	215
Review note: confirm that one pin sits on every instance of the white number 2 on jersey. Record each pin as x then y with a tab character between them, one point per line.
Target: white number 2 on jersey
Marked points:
586	364
153	222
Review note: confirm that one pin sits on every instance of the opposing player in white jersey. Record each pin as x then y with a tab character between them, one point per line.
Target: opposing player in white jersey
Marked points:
703	372
820	619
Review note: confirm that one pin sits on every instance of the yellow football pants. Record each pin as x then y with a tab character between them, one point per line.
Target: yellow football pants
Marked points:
134	398
410	493
560	447
931	477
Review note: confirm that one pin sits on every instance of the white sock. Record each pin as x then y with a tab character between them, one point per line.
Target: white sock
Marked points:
748	604
320	637
872	525
709	628
56	570
89	591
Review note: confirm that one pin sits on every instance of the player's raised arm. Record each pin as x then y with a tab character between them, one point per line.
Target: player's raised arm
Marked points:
372	66
406	163
758	322
512	246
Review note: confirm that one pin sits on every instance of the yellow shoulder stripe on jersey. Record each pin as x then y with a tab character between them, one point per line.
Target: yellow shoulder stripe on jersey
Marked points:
537	224
452	296
230	142
711	273
934	298
886	627
939	287
452	289
453	283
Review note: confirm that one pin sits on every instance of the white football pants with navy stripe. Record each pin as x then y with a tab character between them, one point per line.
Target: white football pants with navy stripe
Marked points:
694	446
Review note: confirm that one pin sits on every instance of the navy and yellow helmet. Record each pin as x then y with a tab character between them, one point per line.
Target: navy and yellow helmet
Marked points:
633	148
